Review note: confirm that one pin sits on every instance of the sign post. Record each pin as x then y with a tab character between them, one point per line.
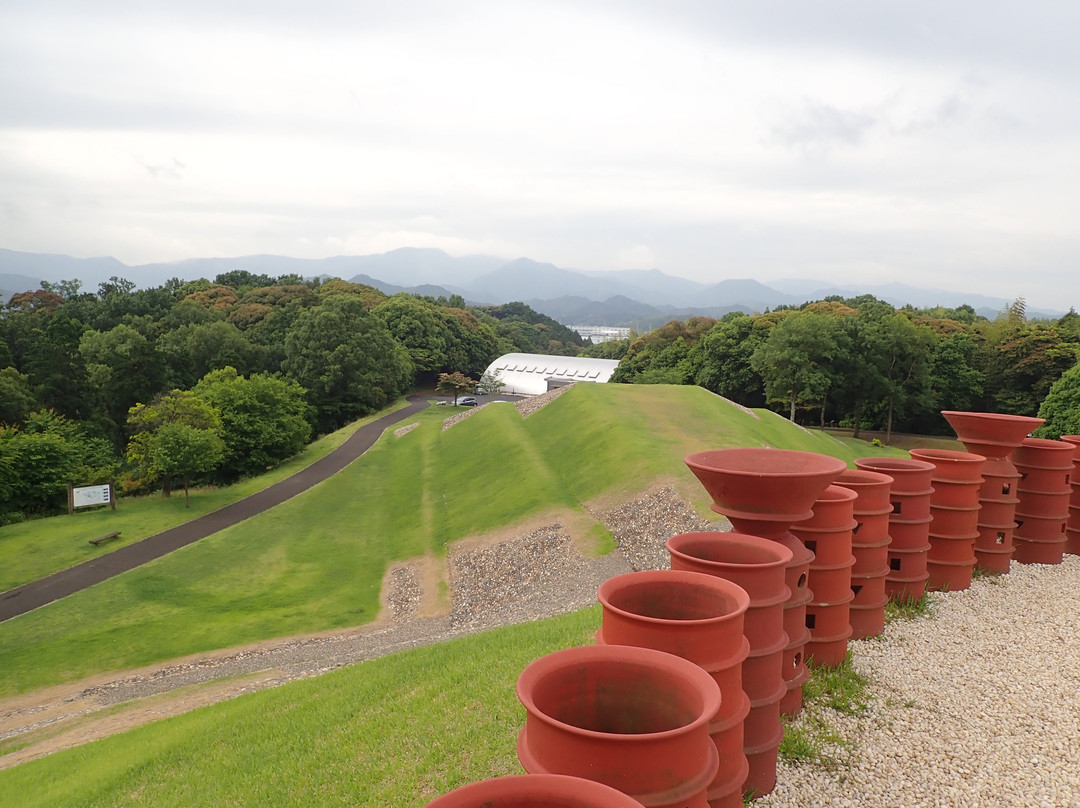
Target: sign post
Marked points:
90	495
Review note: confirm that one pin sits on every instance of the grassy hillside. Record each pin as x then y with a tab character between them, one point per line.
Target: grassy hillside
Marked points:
317	561
34	549
396	731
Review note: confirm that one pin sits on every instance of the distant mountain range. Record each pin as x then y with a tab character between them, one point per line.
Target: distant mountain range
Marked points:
641	299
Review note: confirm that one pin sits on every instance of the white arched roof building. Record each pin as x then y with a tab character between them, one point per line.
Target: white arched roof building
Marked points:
532	374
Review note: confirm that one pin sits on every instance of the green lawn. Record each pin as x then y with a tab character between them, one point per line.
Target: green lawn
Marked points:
317	561
396	731
34	549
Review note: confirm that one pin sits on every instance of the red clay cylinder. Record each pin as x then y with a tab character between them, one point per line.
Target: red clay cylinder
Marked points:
907	575
1039	551
949	576
867	590
870	559
1041	503
911	505
1000	481
910	476
956	495
631	718
1035	455
762	492
994	548
952	549
909	534
871	528
868	620
954	522
870	549
534	791
1072	541
759	567
951	466
756	565
992	512
1040	528
697	617
832	511
872	488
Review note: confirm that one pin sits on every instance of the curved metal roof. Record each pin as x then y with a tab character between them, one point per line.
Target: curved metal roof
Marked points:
528	374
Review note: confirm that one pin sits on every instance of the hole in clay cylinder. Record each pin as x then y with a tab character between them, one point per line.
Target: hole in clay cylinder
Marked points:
1006	488
855	530
802	582
798	660
1019	524
811	545
896	506
811	620
894	564
1001	538
856	590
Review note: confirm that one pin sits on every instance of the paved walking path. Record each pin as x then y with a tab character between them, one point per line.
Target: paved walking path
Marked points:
59	585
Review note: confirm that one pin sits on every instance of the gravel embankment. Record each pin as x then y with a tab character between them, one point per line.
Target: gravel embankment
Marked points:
977	705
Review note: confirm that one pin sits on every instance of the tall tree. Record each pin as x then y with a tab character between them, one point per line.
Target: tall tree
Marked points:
179	450
722	358
1061	407
123	368
795	361
455	384
146	422
264	419
346	359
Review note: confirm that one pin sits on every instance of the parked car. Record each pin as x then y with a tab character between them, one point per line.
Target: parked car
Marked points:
467	401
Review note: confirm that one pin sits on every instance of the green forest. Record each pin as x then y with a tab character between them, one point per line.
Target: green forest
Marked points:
212	381
863	364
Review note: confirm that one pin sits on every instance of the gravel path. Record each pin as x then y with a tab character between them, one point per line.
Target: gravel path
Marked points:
977	705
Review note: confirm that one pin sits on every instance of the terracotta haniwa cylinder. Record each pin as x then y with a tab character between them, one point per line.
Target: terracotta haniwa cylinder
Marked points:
757	566
827	534
1072	525
954	508
634	719
909	524
534	791
870	549
762	492
1045	468
697	617
994	436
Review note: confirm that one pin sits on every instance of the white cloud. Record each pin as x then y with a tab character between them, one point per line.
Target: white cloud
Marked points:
778	137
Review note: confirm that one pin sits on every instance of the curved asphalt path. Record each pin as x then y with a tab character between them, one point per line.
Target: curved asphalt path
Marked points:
30	596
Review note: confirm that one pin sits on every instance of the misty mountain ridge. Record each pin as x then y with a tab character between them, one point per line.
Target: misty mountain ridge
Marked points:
618	297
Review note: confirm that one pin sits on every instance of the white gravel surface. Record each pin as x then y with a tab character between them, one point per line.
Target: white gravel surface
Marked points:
976	705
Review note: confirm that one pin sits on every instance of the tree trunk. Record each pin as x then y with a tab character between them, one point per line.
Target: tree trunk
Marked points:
791	417
888	425
187	478
858	420
166	486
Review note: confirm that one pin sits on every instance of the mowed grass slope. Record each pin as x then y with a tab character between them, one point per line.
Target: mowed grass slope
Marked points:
396	731
34	549
317	562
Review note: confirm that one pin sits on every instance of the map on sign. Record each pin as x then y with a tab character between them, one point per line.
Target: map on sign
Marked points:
91	495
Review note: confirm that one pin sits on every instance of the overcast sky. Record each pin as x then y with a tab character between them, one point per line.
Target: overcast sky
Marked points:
933	143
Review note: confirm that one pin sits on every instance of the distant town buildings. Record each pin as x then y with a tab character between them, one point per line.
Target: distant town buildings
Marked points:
600	333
